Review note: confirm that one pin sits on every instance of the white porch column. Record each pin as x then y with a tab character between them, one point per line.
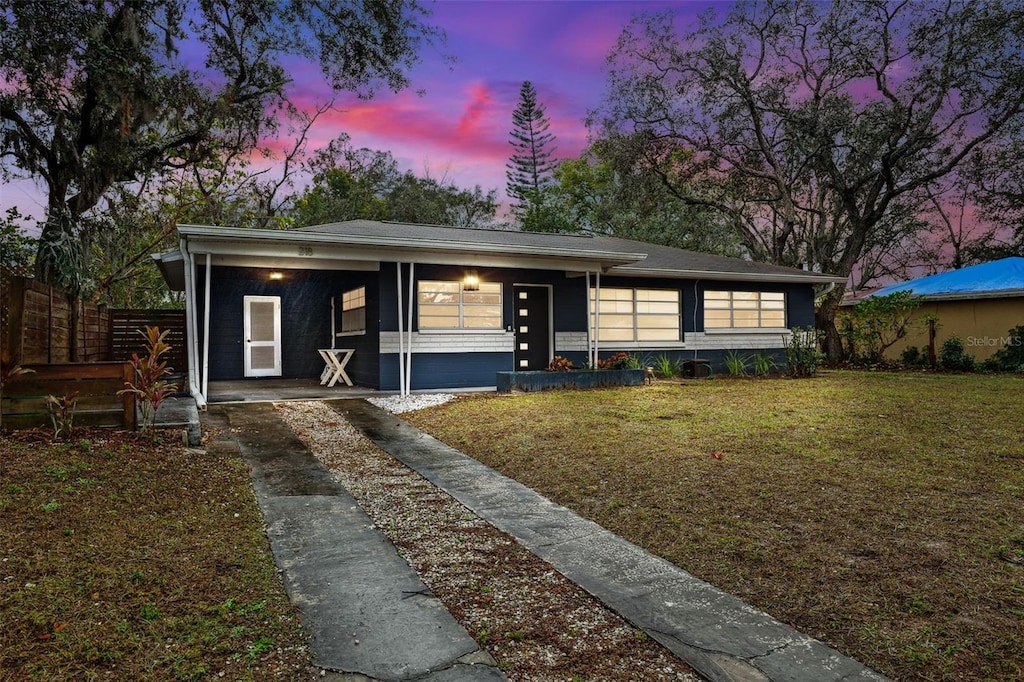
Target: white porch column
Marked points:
191	331
206	326
597	314
590	325
401	336
408	346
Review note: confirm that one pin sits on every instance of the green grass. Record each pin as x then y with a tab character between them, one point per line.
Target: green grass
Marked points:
125	559
882	513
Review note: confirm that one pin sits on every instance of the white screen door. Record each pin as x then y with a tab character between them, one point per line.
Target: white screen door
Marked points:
262	336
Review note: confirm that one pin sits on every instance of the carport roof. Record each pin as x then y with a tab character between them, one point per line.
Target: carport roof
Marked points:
371	241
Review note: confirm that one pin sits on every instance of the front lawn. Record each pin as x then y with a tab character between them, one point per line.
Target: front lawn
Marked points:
882	513
127	559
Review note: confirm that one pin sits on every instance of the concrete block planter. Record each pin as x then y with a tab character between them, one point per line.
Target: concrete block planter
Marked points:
583	378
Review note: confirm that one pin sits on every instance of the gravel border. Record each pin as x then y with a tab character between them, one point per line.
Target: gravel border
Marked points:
538	625
397	404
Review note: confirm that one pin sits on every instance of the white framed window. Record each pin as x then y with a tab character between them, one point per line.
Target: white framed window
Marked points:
448	305
353	311
636	315
744	310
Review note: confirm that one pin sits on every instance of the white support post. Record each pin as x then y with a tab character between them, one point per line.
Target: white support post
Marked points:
597	316
206	326
190	323
590	326
334	332
408	346
401	342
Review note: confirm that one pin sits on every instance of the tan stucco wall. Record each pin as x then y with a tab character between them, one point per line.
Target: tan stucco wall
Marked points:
982	325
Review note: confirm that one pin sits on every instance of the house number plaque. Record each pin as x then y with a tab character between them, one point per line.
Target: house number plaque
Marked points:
305	250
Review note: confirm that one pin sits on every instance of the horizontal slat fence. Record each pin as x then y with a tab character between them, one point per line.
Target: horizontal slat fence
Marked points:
24	405
125	338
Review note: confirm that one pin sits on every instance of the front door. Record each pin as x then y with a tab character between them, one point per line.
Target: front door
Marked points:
533	327
262	341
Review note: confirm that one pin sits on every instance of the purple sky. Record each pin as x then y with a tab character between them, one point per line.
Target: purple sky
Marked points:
459	127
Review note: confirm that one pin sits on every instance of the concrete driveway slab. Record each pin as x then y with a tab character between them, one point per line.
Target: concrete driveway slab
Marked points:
368	614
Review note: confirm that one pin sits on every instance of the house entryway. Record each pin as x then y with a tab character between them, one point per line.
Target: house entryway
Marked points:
532	316
262	340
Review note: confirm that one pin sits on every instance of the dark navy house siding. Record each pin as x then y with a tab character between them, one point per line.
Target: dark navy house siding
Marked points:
305	317
305	314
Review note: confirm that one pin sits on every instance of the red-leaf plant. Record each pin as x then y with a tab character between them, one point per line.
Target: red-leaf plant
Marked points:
150	388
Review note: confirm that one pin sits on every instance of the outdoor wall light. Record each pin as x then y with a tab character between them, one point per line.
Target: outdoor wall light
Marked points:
276	276
471	282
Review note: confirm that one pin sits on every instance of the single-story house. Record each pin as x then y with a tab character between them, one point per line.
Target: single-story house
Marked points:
979	304
431	307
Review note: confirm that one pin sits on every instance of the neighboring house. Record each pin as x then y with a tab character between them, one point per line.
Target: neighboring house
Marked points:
429	307
979	304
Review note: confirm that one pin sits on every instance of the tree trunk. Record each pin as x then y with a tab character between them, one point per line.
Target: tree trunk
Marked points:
825	322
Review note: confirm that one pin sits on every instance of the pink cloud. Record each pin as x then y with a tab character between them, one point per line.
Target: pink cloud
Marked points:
479	106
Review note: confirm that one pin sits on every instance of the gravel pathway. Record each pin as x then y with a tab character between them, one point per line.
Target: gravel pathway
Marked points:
538	625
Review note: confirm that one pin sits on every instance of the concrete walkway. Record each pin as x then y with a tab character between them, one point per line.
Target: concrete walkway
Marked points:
366	611
721	637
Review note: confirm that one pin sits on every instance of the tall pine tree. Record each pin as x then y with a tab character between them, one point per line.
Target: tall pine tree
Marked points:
529	170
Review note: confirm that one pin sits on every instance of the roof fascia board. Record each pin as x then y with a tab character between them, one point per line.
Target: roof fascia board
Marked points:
208	239
729	276
267	254
278	262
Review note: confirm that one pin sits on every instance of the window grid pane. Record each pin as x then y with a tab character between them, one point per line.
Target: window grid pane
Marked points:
445	305
635	314
353	310
744	309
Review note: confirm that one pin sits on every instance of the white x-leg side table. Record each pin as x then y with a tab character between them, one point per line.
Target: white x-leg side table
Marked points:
335	360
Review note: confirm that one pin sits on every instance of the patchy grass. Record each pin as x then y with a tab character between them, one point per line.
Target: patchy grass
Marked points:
121	558
882	513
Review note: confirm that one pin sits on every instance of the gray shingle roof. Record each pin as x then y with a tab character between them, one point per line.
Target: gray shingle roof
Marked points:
661	261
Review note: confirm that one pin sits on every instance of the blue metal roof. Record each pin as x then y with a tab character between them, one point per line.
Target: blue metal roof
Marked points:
1000	275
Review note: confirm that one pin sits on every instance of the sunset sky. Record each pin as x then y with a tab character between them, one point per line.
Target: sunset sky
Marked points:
459	127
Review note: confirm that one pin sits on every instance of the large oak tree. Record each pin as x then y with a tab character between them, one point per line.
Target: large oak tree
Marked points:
818	129
95	94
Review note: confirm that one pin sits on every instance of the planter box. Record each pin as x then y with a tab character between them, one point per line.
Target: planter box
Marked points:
542	380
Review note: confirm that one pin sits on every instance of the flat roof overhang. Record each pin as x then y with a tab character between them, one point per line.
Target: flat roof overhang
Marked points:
315	250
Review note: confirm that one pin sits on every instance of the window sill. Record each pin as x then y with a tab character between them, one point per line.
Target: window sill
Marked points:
494	332
642	345
749	330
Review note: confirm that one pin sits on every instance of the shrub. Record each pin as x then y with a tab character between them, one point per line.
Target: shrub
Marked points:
559	364
802	352
620	360
764	364
1010	357
62	414
953	357
150	388
912	355
666	367
876	323
736	364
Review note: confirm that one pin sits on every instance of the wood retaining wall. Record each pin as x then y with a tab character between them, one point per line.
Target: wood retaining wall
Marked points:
23	403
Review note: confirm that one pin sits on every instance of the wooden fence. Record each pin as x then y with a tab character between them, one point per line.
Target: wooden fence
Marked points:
23	404
42	325
125	338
